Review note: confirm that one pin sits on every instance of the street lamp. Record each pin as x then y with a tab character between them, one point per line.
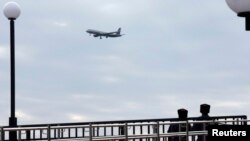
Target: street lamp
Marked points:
242	8
12	11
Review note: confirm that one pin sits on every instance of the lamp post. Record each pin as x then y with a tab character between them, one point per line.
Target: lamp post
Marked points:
12	12
242	8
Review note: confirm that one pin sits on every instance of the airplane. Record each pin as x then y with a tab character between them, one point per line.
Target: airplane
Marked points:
101	34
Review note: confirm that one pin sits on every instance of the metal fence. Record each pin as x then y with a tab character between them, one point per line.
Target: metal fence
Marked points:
134	130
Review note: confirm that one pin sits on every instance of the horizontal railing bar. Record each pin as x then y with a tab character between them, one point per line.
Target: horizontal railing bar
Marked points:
24	128
129	121
122	137
217	121
65	127
191	133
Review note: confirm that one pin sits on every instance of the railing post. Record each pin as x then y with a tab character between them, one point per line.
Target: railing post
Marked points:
93	131
141	131
112	131
133	131
83	132
245	122
27	134
204	128
237	121
34	134
158	131
126	131
104	131
69	132
62	133
58	133
179	130
90	132
187	131
41	133
48	133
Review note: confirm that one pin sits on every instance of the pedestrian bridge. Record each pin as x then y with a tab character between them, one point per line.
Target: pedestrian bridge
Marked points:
123	130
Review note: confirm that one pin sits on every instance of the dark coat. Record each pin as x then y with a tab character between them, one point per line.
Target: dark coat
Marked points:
201	127
178	128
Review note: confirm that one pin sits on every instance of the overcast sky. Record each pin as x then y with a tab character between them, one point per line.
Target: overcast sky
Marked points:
175	54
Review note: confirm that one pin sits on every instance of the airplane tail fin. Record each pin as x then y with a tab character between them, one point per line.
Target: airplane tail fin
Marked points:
119	31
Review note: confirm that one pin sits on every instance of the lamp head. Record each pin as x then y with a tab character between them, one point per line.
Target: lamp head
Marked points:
239	6
11	10
242	8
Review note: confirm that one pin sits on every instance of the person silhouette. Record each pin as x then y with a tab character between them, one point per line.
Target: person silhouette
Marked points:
183	114
204	110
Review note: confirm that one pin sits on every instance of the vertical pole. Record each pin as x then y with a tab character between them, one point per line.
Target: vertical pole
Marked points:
163	128
163	131
112	131
126	131
48	133
41	133
12	69
148	139
27	134
105	131
83	132
141	131
62	132
34	134
133	131
69	132
245	122
12	119
154	126
90	132
204	128
76	133
158	131
93	132
59	133
187	131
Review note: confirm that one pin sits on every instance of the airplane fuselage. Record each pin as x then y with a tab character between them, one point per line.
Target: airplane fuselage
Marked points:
92	31
101	34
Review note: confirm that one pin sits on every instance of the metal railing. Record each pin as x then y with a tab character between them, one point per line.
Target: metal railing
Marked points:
134	130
